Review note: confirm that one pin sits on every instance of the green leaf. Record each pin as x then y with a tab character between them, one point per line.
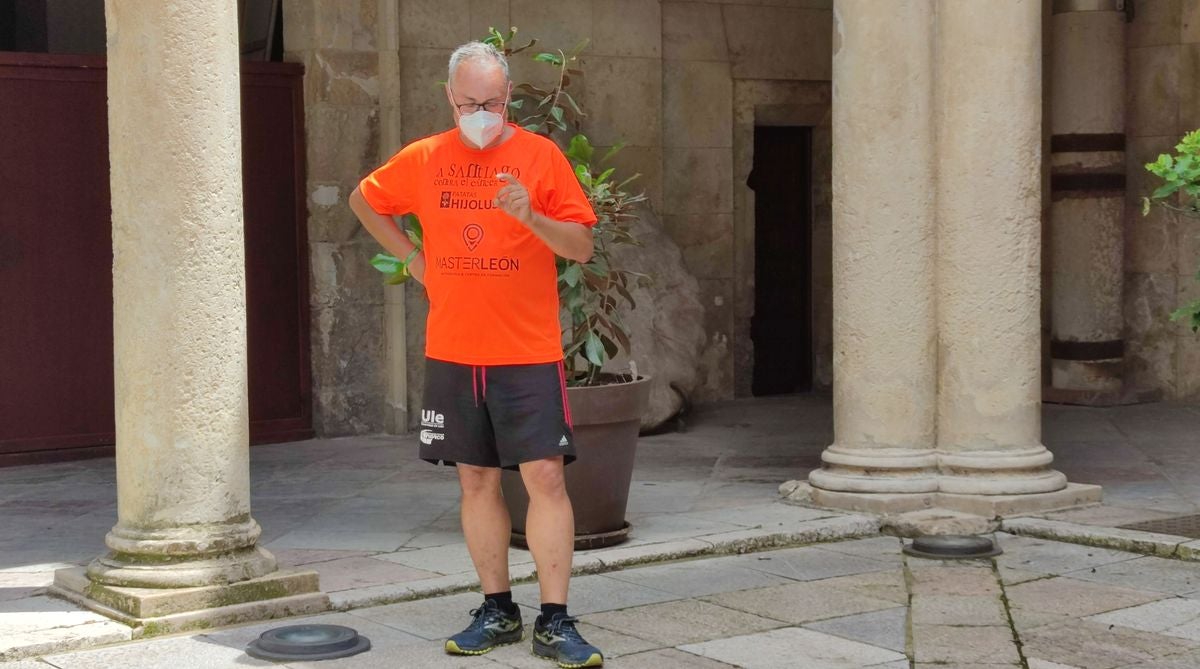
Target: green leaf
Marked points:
584	176
594	350
1145	206
386	263
412	228
557	113
605	175
551	58
580	149
516	103
572	275
1165	190
613	151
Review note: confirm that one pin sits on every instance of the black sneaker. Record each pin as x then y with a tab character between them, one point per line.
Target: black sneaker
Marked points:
492	627
558	640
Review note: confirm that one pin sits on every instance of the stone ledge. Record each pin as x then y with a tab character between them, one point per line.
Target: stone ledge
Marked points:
820	530
1133	541
988	506
15	646
158	611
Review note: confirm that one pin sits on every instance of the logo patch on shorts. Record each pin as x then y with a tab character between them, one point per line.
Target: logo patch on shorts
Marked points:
431	418
429	436
564	442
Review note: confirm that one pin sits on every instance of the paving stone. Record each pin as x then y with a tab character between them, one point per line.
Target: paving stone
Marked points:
435	618
381	636
1176	617
886	628
27	664
1010	576
887	585
677	623
295	557
810	564
612	644
448	559
1147	573
60	639
423	655
1035	663
953	580
1053	557
697	578
1070	598
793	647
875	548
591	594
970	610
42	613
177	653
656	527
947	644
1188	660
1084	643
767	516
799	603
364	572
669	658
346	540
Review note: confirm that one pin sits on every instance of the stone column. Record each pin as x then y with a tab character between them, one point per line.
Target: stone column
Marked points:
989	244
883	258
1087	145
183	475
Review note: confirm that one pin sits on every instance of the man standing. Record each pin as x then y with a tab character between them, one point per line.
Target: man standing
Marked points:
496	204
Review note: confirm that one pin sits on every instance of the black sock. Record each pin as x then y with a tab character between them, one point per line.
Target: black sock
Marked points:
503	600
548	611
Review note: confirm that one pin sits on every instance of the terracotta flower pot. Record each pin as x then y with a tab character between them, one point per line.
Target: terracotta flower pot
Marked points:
607	419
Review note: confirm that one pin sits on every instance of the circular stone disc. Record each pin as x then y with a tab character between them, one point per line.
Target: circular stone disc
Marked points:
308	642
952	547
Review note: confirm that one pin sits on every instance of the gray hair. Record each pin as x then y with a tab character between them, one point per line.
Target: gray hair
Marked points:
473	52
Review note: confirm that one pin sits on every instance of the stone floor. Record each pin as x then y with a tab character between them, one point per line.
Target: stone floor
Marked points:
381	527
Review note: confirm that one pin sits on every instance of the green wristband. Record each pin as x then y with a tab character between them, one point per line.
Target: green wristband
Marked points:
410	258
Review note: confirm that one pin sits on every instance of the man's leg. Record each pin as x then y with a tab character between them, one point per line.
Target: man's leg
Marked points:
486	525
549	526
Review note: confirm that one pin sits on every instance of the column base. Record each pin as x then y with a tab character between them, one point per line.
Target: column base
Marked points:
152	611
988	506
161	571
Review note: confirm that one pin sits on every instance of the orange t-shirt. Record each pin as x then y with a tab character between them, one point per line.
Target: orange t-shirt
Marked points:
492	283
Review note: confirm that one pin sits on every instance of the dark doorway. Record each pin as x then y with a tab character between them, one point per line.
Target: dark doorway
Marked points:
781	328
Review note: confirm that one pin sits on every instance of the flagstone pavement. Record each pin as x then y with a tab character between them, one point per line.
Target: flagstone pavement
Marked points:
380	528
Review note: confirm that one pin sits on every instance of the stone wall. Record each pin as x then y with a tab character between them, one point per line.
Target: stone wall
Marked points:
681	83
1162	250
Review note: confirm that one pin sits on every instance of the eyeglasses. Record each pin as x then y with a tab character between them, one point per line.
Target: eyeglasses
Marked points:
472	107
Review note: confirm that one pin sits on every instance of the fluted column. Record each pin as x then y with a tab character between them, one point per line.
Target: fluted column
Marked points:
1087	183
989	100
883	253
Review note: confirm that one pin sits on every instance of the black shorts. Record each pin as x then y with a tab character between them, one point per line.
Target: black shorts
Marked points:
495	416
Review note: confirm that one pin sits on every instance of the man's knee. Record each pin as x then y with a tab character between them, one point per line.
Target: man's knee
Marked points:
544	478
478	480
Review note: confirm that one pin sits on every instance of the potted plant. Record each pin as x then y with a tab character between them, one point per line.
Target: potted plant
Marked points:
606	407
1180	193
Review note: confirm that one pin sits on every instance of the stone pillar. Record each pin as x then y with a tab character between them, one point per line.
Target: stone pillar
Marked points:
183	475
883	256
989	244
1087	183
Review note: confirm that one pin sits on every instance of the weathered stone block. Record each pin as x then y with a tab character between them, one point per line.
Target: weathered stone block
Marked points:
424	108
562	24
487	14
299	25
346	410
624	101
706	242
349	341
698	181
644	160
343	144
1154	90
344	24
1158	22
435	23
1189	83
1190	24
697	104
717	361
342	77
626	28
1188	365
693	31
779	42
343	275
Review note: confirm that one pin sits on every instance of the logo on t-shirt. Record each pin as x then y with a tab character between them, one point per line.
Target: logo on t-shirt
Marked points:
472	234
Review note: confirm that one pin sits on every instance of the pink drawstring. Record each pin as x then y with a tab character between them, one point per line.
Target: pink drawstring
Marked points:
474	386
483	373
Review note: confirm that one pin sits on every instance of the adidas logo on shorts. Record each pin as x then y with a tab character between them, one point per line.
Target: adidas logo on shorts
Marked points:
563	443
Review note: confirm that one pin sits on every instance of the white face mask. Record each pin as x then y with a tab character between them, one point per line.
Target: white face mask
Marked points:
481	128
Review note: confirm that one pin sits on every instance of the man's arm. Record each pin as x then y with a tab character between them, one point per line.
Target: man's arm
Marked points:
566	238
390	237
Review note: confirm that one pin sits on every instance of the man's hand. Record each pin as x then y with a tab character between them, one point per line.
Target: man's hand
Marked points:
513	199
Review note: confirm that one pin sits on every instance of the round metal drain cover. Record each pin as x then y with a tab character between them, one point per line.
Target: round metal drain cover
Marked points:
307	642
952	547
